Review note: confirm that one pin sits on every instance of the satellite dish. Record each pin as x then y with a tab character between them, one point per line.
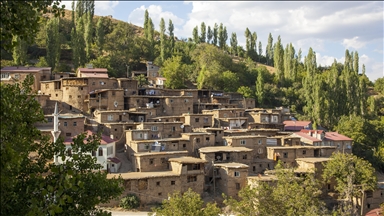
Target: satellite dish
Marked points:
156	143
115	103
181	126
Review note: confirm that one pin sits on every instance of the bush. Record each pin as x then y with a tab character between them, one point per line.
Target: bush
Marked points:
130	201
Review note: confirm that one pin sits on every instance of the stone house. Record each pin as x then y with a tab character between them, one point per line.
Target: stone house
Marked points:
219	134
230	178
92	72
288	154
198	140
154	187
198	120
230	118
155	161
17	74
159	130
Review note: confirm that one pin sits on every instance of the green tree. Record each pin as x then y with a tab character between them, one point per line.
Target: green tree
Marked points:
162	40
30	183
23	19
146	24
245	91
233	44
209	34
141	79
352	175
215	32
100	35
278	59
174	71
42	62
260	88
289	195
171	37
203	32
248	39
195	34
53	42
260	51
188	204
269	50
229	81
223	36
379	85
19	51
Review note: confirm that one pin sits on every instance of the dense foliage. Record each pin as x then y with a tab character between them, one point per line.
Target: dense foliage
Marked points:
130	201
30	183
189	204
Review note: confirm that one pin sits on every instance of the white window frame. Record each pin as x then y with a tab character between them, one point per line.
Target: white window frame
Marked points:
154	128
5	76
259	141
110	117
243	142
236	174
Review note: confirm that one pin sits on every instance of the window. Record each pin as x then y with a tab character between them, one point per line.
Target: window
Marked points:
237	186
205	119
49	119
191	178
195	166
197	140
245	157
186	100
100	151
197	119
151	161
113	93
369	194
237	174
173	182
4	75
207	138
184	146
171	101
69	152
154	128
163	160
78	96
109	150
74	123
242	142
93	153
159	194
304	152
110	117
254	168
173	128
260	151
93	83
259	141
68	134
81	88
65	124
285	154
158	183
16	76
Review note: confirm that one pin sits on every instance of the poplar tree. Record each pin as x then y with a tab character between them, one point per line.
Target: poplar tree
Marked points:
100	33
363	92
162	40
260	50
151	39
146	27
215	32
203	32
19	51
247	35
309	83
53	43
233	44
260	87
278	56
254	45
223	36
171	37
195	35
269	50
209	34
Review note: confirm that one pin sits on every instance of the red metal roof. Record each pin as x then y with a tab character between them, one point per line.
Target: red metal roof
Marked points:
104	139
306	136
313	131
374	212
336	136
114	160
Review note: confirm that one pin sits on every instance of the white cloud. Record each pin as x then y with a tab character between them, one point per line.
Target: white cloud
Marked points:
105	8
102	8
155	13
353	43
327	60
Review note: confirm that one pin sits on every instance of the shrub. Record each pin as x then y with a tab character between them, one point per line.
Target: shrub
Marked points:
130	201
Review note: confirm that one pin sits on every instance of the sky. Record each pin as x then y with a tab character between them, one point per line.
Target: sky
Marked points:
328	27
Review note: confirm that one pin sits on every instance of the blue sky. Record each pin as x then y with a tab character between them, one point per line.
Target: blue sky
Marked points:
328	27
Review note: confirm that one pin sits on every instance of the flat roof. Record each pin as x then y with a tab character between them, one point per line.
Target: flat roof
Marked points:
159	153
244	136
196	133
263	178
143	175
232	165
301	147
314	159
23	69
187	160
224	149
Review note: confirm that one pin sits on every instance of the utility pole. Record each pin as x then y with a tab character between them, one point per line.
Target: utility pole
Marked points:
214	178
